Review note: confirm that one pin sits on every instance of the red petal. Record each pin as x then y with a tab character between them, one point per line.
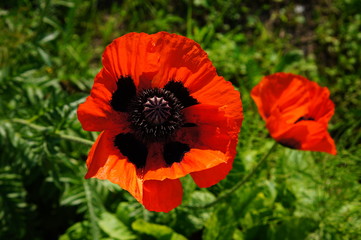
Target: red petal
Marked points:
212	143
209	177
162	196
194	160
304	135
322	108
96	114
222	94
288	93
106	162
172	56
181	59
131	55
215	132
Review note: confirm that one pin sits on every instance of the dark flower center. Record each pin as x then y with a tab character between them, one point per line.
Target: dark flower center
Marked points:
156	110
155	114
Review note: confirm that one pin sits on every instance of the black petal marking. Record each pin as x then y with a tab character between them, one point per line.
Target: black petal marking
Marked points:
290	143
181	93
189	125
174	152
122	96
305	119
132	148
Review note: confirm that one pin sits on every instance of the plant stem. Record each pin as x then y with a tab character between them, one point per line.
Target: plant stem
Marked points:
239	184
60	135
75	139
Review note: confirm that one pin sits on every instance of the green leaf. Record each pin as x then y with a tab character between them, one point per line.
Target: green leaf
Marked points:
156	230
112	226
45	56
254	73
287	60
221	224
295	229
77	231
202	197
127	212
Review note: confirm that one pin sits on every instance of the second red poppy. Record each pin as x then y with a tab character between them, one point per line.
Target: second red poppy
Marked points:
296	111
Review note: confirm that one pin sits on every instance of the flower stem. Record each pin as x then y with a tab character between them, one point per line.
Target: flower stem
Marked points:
239	184
75	139
58	134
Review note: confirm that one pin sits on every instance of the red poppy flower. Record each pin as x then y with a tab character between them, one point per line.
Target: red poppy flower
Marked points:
164	113
296	111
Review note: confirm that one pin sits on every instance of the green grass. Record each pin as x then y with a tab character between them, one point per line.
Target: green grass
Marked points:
50	51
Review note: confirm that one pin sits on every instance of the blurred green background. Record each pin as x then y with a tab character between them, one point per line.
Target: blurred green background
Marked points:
50	51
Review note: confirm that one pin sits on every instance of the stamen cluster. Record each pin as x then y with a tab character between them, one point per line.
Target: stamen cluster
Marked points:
155	114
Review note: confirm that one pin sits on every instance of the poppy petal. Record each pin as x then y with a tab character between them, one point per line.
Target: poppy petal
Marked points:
132	148
162	196
131	55
96	114
215	132
322	108
106	162
181	93
174	152
222	94
194	160
181	59
122	97
212	142
285	92
304	135
209	177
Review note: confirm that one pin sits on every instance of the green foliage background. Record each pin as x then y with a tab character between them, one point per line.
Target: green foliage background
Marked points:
50	51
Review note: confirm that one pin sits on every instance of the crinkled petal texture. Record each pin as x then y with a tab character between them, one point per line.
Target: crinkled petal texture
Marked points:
296	111
106	162
214	123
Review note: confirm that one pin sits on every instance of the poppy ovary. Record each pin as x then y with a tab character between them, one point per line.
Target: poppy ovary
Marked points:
155	114
156	110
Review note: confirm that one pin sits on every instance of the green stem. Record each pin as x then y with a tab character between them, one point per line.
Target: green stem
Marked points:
60	135
31	125
75	139
239	184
